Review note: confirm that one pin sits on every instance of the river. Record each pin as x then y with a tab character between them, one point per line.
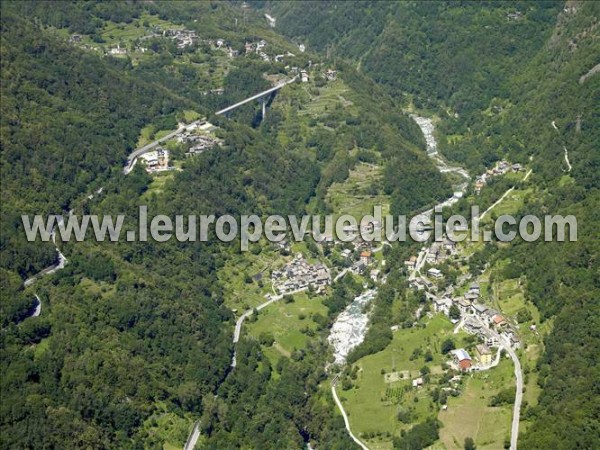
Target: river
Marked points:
427	128
351	325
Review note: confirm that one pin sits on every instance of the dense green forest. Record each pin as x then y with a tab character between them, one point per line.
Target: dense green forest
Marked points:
498	74
136	332
132	333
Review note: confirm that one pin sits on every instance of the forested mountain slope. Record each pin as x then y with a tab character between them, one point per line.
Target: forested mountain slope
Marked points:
516	80
134	340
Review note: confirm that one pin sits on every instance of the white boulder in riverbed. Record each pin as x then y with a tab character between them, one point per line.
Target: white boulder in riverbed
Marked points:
350	327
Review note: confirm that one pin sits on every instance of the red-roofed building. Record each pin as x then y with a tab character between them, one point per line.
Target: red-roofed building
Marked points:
464	364
462	358
499	320
365	257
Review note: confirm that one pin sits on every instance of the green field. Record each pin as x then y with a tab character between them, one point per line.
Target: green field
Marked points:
355	195
330	98
469	415
373	404
286	321
157	186
114	33
149	133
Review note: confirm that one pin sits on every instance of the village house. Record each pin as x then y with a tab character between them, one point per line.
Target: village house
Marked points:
489	314
475	288
304	76
514	15
514	341
365	258
499	321
450	245
283	245
435	273
411	263
472	326
331	75
417	284
432	254
491	341
479	184
156	160
417	382
479	309
462	358
464	306
471	297
442	305
484	354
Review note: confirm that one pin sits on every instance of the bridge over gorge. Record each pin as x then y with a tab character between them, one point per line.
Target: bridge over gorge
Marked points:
133	156
256	97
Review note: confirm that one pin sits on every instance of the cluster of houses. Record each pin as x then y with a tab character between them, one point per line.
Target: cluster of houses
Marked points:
330	75
182	38
118	50
439	251
500	168
487	323
198	142
156	160
300	274
258	48
365	259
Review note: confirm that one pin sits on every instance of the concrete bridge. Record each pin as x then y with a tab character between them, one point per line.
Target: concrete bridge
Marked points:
256	97
132	158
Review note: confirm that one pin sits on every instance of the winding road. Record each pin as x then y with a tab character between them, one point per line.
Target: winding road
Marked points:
62	260
193	438
514	431
427	128
133	156
248	313
345	416
497	202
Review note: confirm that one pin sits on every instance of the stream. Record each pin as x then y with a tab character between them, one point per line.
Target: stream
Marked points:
351	325
427	128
